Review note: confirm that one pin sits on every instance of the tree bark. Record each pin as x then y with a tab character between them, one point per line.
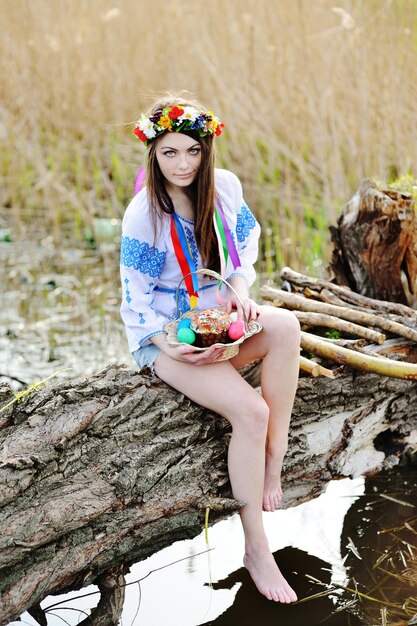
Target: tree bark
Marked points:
375	245
101	472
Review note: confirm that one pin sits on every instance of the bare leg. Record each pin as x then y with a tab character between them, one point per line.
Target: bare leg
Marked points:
249	418
279	346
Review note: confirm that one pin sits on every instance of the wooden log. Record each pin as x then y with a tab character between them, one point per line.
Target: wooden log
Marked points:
329	297
330	321
314	369
383	367
401	349
104	471
324	295
309	366
346	294
296	302
353	345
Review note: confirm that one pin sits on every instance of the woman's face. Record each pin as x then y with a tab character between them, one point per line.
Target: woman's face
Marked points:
179	159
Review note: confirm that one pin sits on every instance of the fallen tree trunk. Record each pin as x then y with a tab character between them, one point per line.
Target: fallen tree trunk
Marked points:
102	472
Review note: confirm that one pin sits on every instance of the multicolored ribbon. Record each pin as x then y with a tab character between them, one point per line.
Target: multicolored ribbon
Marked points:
185	259
227	247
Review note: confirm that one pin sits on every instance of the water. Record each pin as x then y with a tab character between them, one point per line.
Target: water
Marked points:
60	310
306	540
344	538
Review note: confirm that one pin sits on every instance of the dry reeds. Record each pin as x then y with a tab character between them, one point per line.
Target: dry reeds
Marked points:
315	97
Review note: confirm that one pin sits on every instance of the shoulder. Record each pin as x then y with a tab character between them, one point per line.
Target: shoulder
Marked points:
138	220
137	209
226	180
229	188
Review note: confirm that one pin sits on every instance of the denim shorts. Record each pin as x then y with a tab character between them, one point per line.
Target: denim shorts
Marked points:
146	356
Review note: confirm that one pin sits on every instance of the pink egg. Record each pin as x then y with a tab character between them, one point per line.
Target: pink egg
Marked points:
236	330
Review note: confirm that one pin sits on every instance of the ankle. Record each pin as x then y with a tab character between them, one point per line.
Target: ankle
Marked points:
254	548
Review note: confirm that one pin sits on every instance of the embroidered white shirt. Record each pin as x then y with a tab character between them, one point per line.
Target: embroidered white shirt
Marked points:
149	269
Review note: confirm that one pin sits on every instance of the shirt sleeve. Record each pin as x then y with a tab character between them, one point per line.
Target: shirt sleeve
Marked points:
244	227
141	262
247	233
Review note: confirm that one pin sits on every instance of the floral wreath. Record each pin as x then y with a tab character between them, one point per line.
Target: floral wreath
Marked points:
177	118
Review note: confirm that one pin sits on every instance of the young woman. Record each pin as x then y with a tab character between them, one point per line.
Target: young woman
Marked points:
174	218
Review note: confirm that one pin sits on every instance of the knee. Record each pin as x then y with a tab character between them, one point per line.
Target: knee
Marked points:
281	325
254	417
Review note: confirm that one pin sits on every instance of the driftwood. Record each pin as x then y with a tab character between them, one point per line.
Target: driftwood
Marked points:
346	294
299	303
102	472
375	244
319	304
314	320
314	369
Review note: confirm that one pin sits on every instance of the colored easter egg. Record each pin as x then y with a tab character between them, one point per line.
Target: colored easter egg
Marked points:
236	330
186	335
184	323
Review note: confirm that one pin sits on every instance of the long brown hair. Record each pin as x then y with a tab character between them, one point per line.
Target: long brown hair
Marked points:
201	191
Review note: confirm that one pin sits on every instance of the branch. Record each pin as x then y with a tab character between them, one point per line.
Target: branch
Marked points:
383	367
330	321
301	280
297	302
109	609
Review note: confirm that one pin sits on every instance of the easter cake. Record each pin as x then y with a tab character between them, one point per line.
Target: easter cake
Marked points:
210	326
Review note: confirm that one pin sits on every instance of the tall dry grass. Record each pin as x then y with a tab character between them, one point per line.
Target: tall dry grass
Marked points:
315	97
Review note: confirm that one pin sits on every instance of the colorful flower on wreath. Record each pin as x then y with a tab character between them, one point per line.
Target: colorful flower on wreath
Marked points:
176	113
146	127
214	125
189	114
164	122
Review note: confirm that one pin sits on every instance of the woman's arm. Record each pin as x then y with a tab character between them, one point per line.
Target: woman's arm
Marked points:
245	232
187	353
251	308
142	260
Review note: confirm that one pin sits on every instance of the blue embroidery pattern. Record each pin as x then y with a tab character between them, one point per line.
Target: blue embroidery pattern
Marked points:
183	303
245	222
141	256
193	245
128	298
141	318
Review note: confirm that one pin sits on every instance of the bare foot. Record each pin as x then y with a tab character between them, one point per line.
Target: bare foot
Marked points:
267	577
272	485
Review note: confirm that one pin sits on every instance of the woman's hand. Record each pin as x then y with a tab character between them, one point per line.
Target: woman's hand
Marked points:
188	354
250	307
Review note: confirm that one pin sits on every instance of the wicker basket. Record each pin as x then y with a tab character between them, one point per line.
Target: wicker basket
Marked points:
231	349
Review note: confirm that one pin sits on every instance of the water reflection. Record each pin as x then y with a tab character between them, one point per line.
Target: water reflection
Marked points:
180	594
249	607
358	534
379	545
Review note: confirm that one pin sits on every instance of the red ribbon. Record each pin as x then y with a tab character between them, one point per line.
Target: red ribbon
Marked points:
183	263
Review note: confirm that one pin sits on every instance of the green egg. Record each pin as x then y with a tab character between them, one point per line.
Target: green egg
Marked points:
186	335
